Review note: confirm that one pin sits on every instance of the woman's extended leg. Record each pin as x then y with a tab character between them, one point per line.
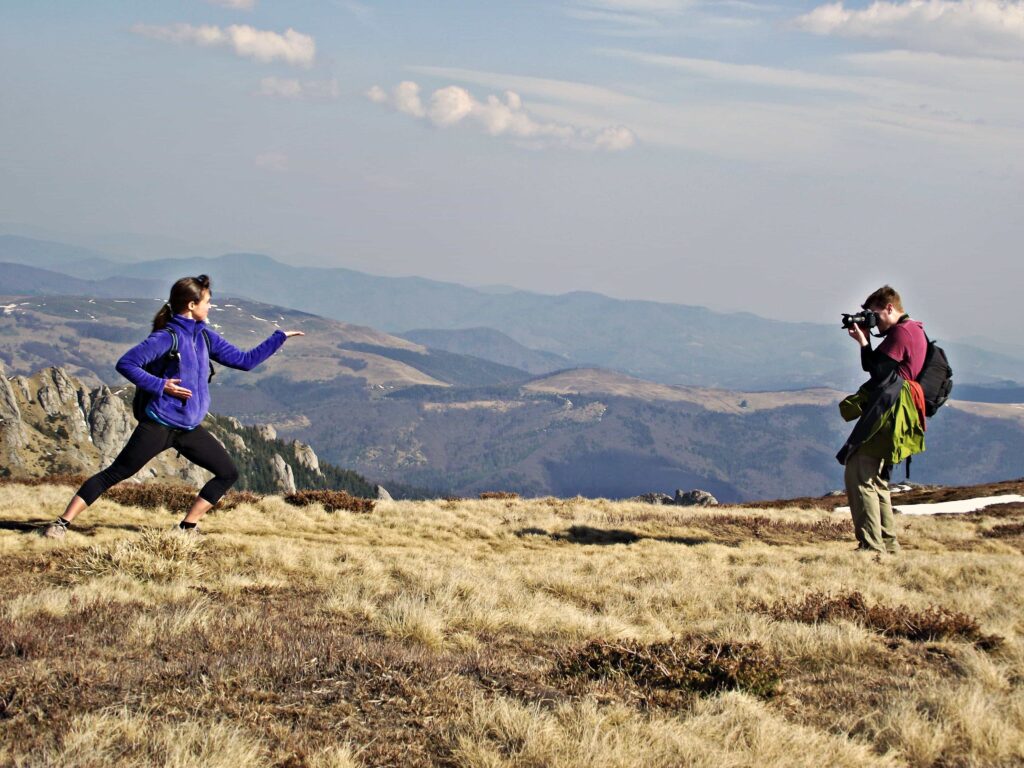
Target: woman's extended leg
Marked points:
148	439
202	448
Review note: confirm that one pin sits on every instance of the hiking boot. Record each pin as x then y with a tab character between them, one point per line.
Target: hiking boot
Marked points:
55	530
188	533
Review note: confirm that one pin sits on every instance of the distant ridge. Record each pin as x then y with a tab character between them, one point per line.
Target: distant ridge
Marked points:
667	343
489	344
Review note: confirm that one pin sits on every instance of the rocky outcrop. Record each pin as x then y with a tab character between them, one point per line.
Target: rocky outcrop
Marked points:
305	455
695	498
284	478
110	424
12	431
266	432
382	494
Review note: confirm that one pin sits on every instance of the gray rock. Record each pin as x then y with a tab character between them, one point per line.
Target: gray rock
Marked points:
382	494
653	498
695	498
284	478
12	430
20	386
235	423
236	442
110	424
305	455
66	388
266	431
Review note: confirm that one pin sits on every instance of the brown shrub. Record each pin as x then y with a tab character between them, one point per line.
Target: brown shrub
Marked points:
172	496
73	481
499	495
933	623
331	501
1005	531
692	664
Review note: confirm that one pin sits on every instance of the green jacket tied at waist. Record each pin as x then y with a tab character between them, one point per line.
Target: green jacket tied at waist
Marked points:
889	425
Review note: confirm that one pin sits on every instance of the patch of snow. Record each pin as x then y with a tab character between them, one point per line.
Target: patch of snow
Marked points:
262	320
959	507
8	308
123	301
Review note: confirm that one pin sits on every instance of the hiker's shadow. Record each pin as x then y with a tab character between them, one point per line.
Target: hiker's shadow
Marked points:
585	534
36	526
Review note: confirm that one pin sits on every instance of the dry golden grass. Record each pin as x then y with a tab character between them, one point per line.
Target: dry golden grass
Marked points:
504	632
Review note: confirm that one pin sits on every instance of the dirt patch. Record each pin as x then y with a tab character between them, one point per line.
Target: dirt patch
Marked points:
933	623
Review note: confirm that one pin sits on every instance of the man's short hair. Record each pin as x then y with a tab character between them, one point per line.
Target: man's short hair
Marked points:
882	298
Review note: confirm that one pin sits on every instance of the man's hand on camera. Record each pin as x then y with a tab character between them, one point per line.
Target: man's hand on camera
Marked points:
858	335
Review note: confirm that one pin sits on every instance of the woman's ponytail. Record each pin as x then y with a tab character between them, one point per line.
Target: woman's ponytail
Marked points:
163	317
183	292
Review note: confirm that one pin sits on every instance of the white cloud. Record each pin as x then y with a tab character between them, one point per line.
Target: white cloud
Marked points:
236	5
973	27
291	88
290	47
560	90
453	105
272	161
407	99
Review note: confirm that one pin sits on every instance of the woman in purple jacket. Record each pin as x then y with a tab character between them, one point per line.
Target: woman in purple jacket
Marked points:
177	403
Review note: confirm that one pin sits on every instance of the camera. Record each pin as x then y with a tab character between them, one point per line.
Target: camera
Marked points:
865	319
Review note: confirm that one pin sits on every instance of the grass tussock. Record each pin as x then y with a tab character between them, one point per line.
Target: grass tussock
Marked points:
331	501
932	623
499	495
691	664
152	556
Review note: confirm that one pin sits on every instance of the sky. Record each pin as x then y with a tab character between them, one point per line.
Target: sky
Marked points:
782	158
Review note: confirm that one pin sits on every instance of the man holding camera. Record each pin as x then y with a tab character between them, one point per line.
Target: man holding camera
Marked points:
890	409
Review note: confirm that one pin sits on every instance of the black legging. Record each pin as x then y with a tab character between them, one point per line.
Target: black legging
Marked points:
150	439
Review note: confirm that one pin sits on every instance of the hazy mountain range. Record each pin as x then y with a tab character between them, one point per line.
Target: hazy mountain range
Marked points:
669	343
398	411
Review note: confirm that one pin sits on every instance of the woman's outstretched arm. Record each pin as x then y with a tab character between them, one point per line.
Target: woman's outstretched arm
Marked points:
226	353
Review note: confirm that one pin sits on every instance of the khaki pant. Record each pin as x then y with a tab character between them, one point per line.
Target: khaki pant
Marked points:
870	506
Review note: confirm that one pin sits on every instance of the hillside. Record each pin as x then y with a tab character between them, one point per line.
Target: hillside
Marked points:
489	344
407	415
561	633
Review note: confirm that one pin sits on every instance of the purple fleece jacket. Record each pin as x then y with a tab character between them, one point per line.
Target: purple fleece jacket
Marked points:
192	367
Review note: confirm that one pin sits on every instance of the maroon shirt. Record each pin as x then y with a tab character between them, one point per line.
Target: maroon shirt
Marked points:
906	344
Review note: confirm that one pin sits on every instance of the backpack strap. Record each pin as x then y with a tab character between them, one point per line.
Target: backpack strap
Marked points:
173	351
209	356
